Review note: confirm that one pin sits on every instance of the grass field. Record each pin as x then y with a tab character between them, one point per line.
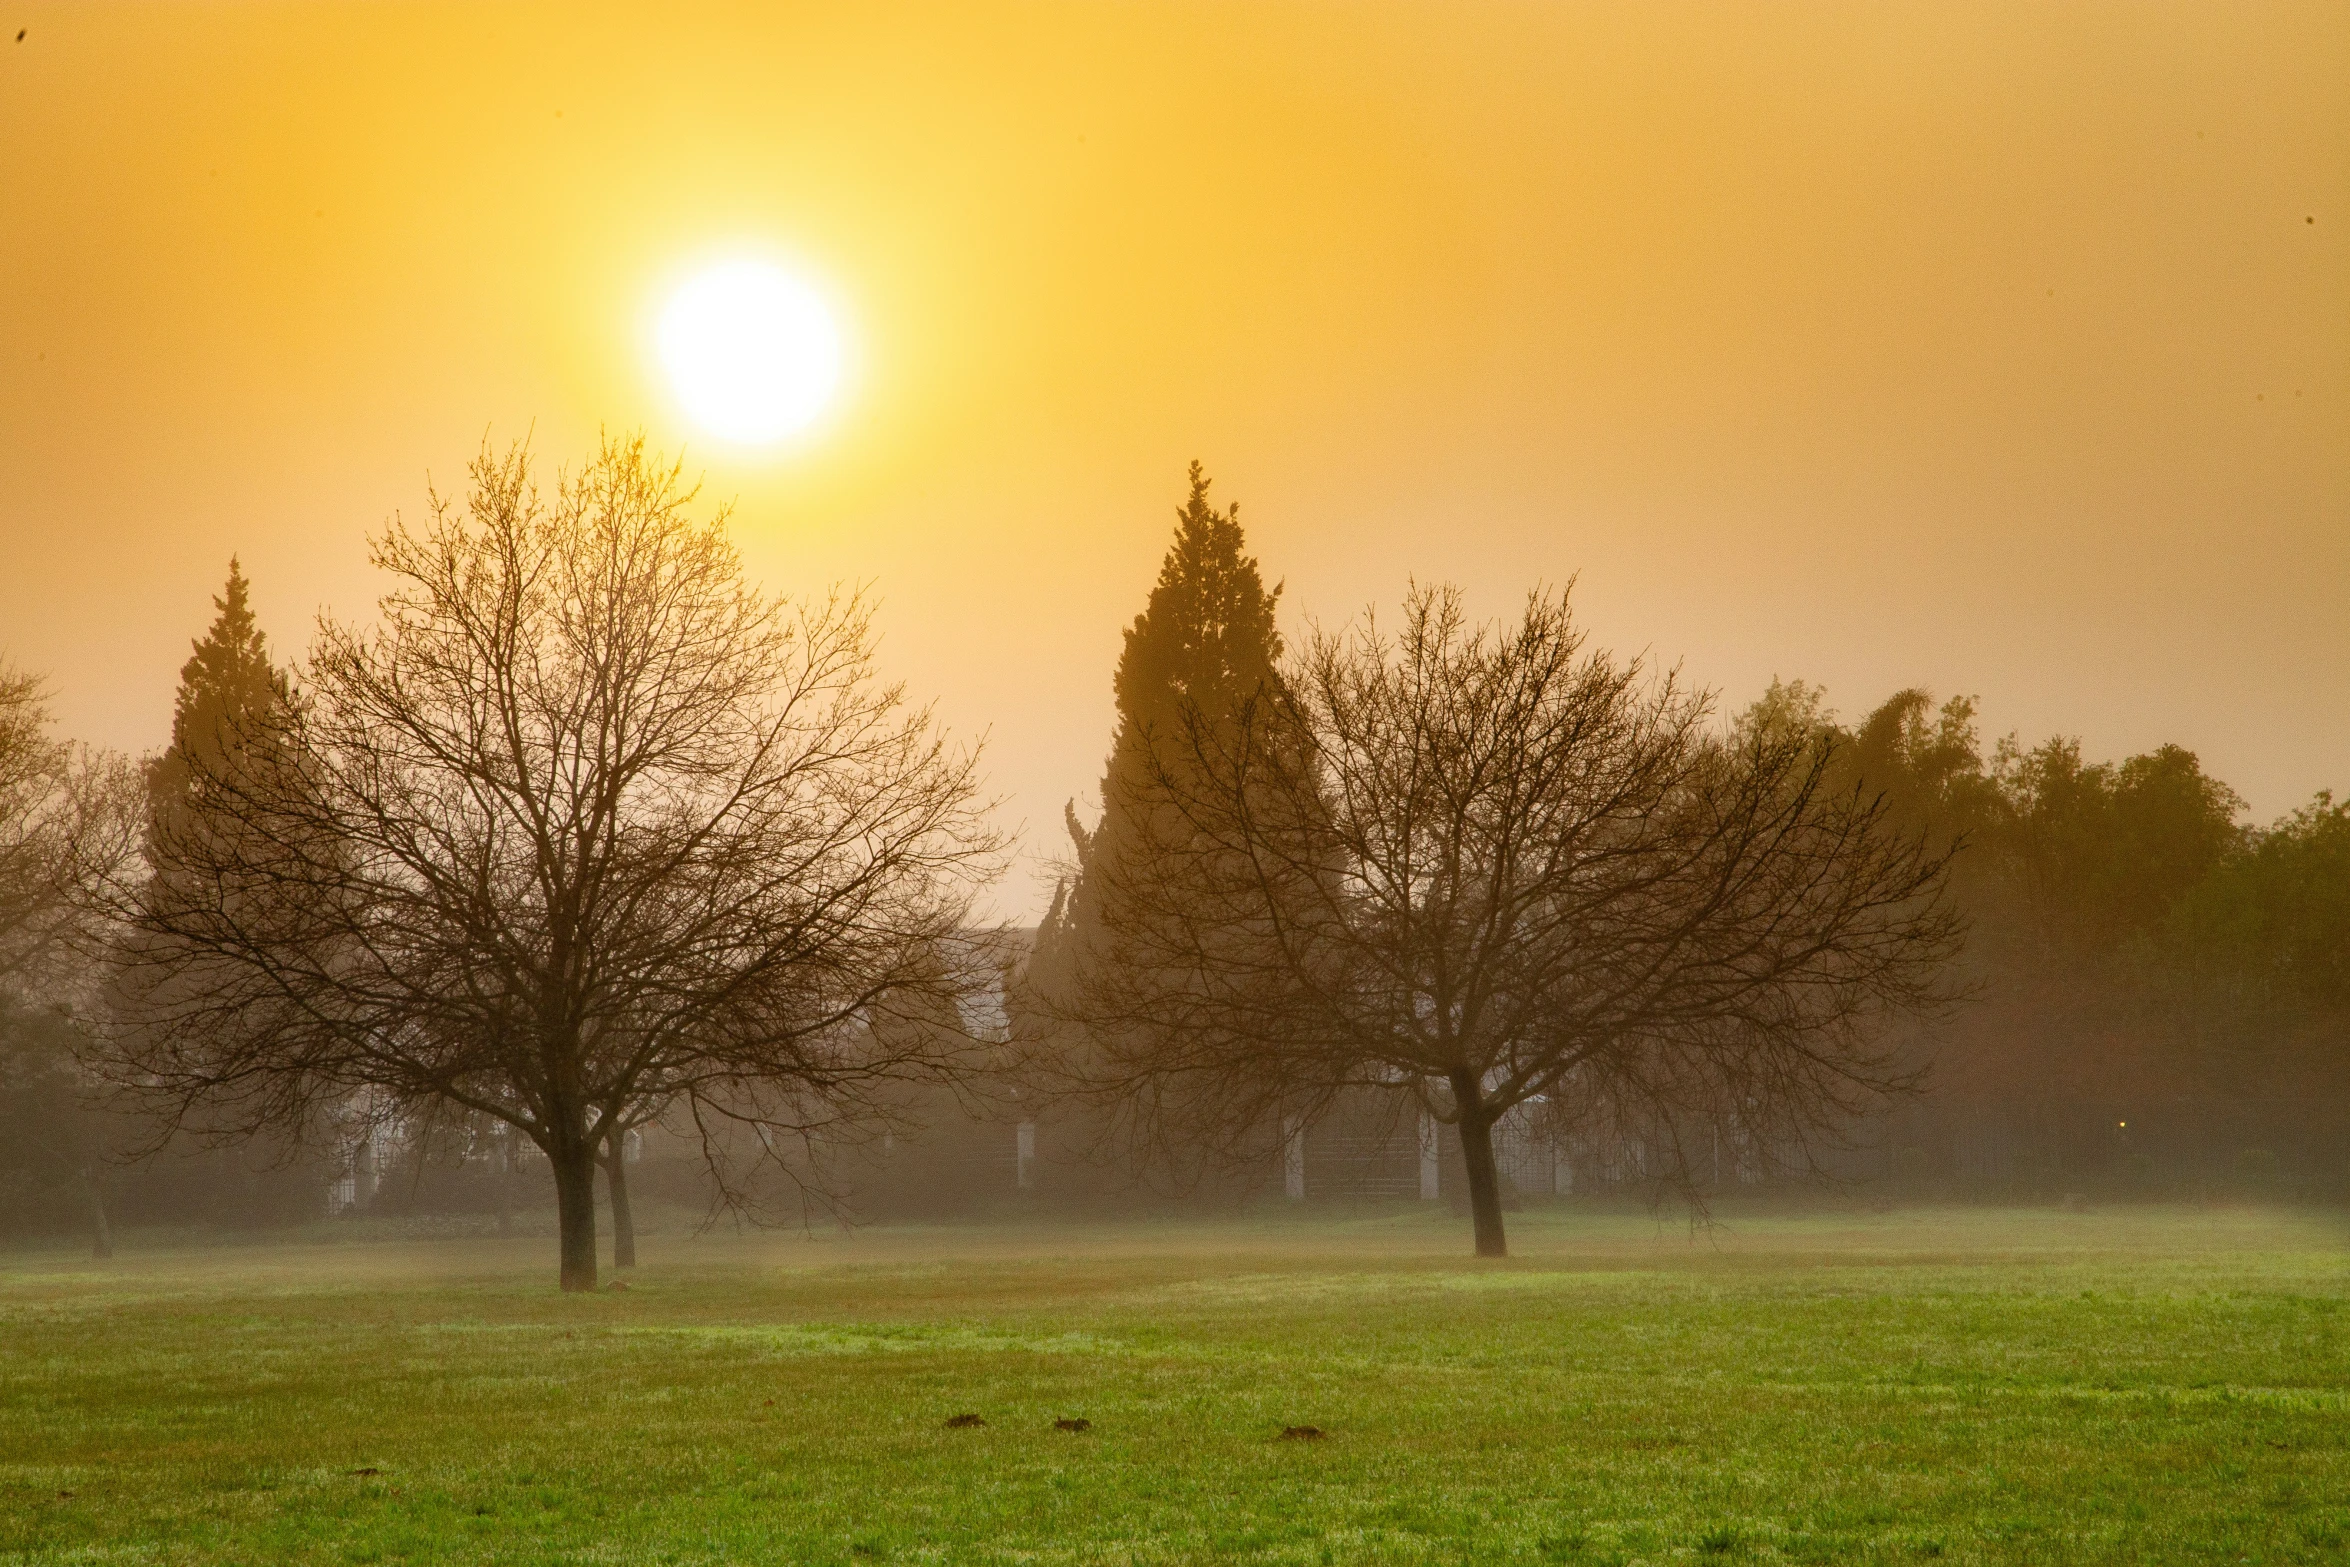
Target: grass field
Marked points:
2136	1385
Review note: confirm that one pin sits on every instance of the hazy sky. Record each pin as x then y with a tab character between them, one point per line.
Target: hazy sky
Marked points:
1997	349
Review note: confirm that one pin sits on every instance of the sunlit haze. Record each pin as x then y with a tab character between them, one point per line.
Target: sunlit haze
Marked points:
1175	781
1997	349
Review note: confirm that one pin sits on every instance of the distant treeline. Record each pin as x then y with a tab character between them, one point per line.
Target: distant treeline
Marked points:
2130	935
593	841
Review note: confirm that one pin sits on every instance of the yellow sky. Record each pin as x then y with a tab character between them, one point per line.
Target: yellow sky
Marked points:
1985	347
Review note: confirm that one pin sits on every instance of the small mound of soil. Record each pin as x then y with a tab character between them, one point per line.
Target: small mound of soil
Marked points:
1078	1424
963	1422
1301	1433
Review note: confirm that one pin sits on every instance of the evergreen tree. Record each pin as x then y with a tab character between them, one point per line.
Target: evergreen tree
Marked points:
1204	643
230	696
2256	959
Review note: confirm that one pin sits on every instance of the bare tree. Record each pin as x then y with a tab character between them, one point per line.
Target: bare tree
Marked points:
1484	867
68	822
582	824
31	765
614	1159
69	819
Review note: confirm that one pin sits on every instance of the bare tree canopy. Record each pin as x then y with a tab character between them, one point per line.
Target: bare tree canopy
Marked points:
68	822
1487	867
583	824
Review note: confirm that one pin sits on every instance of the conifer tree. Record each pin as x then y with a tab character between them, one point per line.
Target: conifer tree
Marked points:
230	696
584	822
1205	641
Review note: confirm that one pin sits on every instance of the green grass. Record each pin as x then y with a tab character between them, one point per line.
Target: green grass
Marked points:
2128	1386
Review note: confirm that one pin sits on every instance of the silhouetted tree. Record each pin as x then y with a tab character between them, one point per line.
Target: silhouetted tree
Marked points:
230	697
2075	879
615	1161
1485	866
32	828
1205	642
53	1142
2102	852
1927	762
2257	955
583	823
67	823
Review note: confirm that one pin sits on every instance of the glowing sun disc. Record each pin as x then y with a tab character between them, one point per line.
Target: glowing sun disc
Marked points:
752	352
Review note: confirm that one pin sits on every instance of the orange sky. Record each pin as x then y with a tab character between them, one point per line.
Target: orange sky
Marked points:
1990	348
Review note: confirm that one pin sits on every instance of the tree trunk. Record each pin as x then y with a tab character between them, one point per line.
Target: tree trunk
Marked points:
101	1233
623	1221
504	1180
575	1211
1476	1124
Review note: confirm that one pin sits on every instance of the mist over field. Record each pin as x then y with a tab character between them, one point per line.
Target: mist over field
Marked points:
1174	783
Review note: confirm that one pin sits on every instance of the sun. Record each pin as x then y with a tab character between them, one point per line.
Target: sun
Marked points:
753	352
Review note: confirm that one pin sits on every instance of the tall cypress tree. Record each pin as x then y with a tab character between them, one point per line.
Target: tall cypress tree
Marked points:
229	696
228	706
1204	643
